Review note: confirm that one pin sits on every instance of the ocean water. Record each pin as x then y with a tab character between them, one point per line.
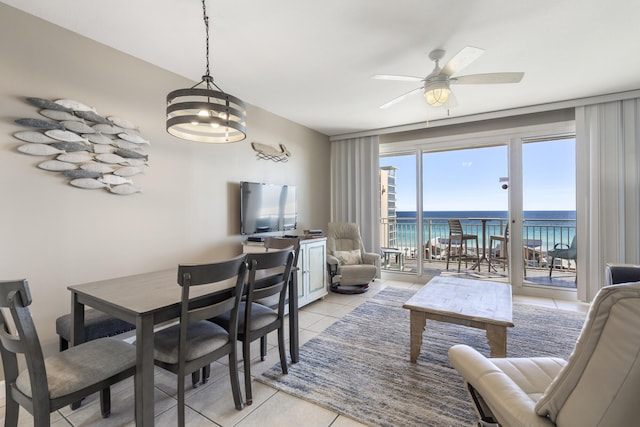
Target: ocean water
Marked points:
542	229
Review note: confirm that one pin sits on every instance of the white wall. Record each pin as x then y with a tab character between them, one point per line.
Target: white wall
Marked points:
55	235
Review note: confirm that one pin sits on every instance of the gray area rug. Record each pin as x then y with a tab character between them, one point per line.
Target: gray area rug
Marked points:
359	367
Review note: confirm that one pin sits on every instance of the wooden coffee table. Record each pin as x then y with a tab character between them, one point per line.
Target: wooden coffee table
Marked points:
475	303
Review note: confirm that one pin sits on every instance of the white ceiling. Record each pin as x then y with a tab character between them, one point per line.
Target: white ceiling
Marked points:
312	61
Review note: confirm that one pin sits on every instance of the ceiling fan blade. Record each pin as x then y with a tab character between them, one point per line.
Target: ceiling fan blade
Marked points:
399	78
463	58
490	78
401	97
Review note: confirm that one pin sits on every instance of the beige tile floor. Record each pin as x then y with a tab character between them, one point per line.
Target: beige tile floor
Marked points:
212	405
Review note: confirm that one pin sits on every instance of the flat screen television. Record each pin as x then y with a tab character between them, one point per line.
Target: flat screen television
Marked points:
267	208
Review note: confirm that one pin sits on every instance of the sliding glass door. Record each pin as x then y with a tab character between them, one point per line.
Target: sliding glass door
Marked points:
463	184
488	181
549	211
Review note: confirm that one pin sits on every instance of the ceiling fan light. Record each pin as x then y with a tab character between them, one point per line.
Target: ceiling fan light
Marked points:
437	93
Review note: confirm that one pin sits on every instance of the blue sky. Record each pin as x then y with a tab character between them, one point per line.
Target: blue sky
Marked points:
468	180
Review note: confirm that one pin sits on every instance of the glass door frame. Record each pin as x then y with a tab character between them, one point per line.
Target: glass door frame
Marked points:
513	138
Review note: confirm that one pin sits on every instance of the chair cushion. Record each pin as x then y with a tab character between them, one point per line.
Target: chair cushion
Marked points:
601	380
348	257
508	386
82	366
261	316
203	338
97	324
357	274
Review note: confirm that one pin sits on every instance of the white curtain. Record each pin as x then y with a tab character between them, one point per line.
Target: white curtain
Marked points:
608	215
355	186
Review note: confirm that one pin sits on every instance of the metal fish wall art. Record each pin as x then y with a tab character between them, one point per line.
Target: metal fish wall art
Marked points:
33	136
58	115
91	150
38	123
46	104
39	149
125	189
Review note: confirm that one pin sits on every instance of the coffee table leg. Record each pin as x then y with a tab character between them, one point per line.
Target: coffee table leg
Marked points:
497	337
418	321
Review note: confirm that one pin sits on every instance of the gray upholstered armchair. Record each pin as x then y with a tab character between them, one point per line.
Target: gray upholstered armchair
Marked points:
351	268
597	386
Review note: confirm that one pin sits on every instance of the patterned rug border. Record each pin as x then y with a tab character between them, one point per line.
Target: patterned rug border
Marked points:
361	370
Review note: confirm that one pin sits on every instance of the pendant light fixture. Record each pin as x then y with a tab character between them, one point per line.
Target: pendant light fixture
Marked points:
204	114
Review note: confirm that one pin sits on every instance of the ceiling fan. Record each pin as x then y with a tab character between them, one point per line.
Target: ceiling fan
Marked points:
436	86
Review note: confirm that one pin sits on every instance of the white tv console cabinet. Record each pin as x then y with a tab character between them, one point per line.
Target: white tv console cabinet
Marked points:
312	267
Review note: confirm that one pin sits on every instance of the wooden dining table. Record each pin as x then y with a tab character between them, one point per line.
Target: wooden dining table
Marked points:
146	300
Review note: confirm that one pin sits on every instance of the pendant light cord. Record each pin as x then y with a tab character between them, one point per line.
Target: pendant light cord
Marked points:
206	26
207	77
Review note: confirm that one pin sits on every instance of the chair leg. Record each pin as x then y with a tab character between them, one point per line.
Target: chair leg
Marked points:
551	266
11	410
247	370
281	348
181	410
206	373
105	402
63	344
195	378
235	381
263	347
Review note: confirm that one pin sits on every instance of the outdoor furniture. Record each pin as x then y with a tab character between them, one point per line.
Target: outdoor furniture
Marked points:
499	254
194	343
568	253
350	267
256	320
474	303
387	253
532	253
457	235
597	386
46	385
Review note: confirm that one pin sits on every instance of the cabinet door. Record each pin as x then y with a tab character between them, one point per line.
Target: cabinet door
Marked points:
316	269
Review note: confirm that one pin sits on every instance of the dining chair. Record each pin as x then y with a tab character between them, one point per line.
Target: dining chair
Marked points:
48	384
457	234
194	343
269	274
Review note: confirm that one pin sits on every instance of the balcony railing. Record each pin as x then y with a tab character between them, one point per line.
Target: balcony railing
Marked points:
539	236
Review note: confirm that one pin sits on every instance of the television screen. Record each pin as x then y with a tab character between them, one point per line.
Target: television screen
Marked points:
266	208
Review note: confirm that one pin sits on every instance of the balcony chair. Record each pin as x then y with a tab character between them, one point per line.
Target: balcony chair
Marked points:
597	386
257	320
48	384
351	268
568	253
456	234
194	343
499	254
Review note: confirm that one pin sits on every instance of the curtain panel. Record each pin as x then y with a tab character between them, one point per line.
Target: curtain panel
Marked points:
608	214
355	186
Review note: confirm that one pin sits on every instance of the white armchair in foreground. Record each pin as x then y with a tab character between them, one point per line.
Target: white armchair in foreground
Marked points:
597	386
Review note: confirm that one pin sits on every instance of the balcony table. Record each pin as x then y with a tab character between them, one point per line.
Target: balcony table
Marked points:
484	240
146	300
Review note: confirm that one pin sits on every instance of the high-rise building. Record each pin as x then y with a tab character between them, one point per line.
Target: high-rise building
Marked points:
388	219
